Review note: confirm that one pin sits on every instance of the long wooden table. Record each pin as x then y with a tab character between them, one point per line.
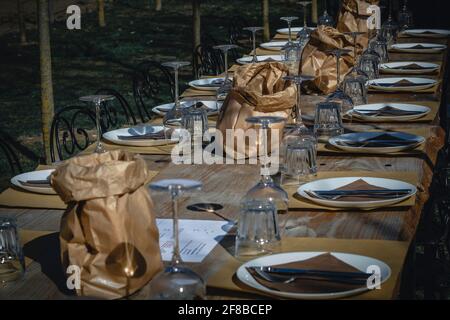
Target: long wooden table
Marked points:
226	185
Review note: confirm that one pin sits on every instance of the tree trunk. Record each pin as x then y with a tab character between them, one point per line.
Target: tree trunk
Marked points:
158	5
265	12
101	13
22	26
47	106
196	23
314	16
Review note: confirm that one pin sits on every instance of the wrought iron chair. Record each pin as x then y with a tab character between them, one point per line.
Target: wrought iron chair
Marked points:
238	36
118	103
10	155
73	127
152	84
207	61
71	131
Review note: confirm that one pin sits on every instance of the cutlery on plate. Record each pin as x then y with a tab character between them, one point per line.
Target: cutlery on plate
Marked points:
153	136
36	183
288	278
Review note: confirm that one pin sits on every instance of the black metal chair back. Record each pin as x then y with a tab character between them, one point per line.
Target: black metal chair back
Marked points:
207	61
10	155
72	131
113	117
238	36
152	85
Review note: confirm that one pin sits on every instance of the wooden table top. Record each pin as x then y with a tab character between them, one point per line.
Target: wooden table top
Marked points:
226	184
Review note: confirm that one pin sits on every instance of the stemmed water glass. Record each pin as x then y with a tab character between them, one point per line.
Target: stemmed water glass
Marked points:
266	189
405	17
305	31
289	22
389	28
253	30
176	282
227	83
339	95
325	19
172	118
97	100
355	81
296	112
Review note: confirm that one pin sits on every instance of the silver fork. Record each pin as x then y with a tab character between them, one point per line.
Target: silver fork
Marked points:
315	195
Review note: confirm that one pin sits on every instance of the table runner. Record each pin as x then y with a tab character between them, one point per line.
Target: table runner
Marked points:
298	202
392	253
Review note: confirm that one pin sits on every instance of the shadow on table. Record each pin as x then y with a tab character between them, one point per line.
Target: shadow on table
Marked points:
45	250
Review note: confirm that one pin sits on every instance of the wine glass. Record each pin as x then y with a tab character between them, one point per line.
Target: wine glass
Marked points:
176	282
405	17
253	30
389	28
325	19
172	118
289	22
355	81
266	189
226	86
296	112
97	100
305	31
339	95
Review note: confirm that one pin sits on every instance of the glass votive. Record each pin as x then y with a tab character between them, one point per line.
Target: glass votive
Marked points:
257	231
12	264
328	121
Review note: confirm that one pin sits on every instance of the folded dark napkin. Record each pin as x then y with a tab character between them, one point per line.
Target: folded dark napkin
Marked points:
36	183
401	83
360	184
147	136
311	284
412	66
382	140
420	46
387	111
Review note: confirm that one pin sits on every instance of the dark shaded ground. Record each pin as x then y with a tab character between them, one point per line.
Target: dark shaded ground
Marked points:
88	59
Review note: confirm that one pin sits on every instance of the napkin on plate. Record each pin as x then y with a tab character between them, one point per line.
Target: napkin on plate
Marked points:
387	111
147	136
359	184
412	66
213	84
401	83
382	140
36	183
312	285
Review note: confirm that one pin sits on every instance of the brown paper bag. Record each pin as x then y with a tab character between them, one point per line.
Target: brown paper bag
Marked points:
317	61
109	229
353	18
258	90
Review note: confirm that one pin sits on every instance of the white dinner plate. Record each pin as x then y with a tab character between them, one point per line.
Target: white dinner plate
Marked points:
363	136
428	33
377	106
112	136
409	47
359	262
34	175
249	59
273	45
334	183
205	84
395	67
418	84
213	107
294	30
